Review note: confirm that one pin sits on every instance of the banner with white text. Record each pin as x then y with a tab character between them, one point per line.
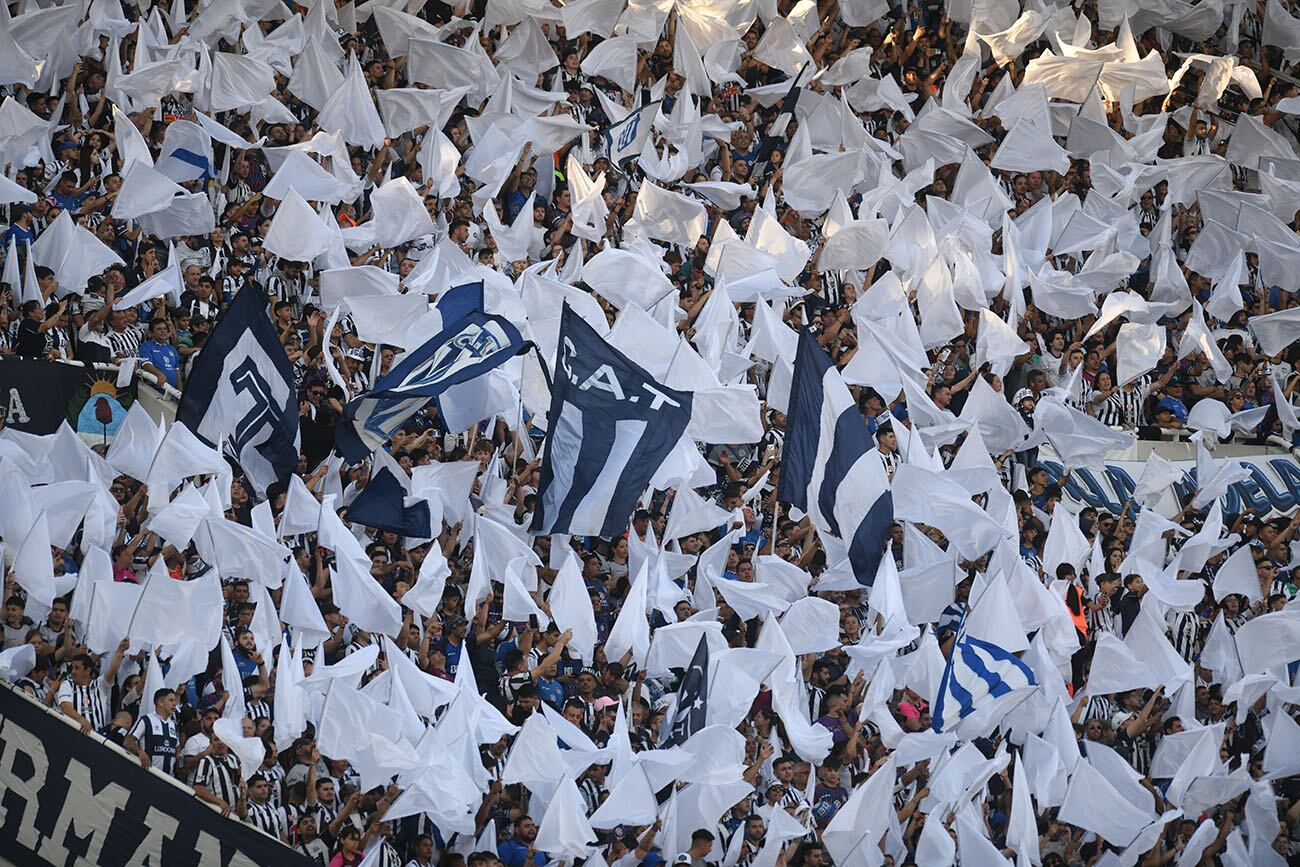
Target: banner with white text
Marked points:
66	798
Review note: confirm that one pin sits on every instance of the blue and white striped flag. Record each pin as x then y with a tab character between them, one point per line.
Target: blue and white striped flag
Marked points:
977	672
829	468
609	428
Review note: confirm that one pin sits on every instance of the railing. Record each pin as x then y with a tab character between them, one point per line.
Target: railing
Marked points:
160	399
164	388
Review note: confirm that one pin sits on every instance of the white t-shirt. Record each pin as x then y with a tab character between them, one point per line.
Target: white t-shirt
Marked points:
196	744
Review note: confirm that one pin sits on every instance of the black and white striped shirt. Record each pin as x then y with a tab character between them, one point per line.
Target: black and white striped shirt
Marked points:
91	700
1101	620
1140	749
285	289
815	696
124	343
220	774
1099	707
388	856
890	461
258	708
275	776
266	818
1185	632
496	766
1132	400
159	738
289	815
1236	622
591	793
1110	410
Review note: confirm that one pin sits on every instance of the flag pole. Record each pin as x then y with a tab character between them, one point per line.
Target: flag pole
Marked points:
131	623
776	517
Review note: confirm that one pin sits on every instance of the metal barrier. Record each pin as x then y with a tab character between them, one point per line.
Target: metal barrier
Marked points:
159	399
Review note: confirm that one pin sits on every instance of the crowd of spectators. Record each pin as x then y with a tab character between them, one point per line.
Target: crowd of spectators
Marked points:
916	66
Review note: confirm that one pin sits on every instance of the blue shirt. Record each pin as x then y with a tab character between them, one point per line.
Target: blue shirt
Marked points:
162	356
551	692
21	236
71	202
247	667
1174	406
452	652
514	854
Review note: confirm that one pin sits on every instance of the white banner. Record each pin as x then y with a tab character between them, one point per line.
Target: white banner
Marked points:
1273	488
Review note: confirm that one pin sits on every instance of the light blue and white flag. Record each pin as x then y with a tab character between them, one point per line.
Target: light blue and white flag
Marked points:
831	469
983	665
186	152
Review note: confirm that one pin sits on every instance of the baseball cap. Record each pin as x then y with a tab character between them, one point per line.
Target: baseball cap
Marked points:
605	701
1024	394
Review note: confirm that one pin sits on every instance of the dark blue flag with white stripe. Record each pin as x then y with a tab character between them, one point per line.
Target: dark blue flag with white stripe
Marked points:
609	428
466	349
692	709
241	390
828	468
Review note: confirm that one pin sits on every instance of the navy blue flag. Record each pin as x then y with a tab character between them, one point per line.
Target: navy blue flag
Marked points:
829	468
460	301
241	391
692	709
382	505
609	428
465	349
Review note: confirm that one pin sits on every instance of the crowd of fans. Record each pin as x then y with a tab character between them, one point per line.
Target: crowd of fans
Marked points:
914	59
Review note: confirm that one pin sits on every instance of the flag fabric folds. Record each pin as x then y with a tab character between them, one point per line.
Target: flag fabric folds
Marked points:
692	709
830	471
977	670
241	390
610	427
466	348
382	505
625	139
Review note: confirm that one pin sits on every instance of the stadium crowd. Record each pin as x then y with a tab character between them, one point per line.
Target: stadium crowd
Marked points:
1046	217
